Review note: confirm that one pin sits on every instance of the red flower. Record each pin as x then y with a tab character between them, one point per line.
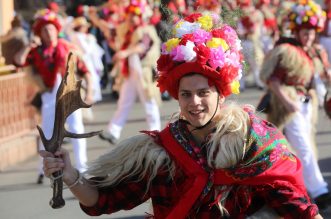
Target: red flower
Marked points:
193	17
225	89
161	81
185	38
164	63
203	53
228	73
218	33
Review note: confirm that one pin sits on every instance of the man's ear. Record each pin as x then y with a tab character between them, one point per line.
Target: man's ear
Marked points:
221	99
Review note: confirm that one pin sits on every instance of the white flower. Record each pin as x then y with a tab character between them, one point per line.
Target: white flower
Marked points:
189	53
186	28
240	74
237	45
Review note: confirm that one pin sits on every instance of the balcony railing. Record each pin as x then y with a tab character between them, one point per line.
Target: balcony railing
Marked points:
17	116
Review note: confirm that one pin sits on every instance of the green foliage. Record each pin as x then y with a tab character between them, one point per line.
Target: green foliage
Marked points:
231	16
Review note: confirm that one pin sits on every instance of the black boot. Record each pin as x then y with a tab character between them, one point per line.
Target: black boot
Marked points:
323	201
40	179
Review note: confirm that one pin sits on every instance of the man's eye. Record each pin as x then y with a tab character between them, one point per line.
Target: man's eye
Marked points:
185	94
204	93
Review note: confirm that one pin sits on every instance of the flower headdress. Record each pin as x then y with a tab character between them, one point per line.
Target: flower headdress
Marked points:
135	7
43	17
306	14
199	46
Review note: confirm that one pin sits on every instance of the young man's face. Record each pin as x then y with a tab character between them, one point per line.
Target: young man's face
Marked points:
49	34
197	100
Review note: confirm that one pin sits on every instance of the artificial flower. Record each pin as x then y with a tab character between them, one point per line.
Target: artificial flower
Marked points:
171	44
307	13
305	19
228	73
235	85
233	58
184	53
193	17
165	63
216	58
206	22
216	42
137	11
201	36
313	20
203	53
185	38
195	41
186	28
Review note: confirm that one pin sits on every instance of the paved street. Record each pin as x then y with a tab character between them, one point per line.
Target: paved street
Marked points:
22	198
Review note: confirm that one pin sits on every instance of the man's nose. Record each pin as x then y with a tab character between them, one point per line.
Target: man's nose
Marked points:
196	99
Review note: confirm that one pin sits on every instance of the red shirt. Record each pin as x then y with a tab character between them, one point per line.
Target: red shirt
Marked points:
48	62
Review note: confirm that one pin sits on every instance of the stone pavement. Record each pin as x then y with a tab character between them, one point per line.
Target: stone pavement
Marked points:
22	198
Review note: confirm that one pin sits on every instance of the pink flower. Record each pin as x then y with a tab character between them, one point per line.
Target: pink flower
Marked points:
313	20
275	154
233	58
216	58
201	36
227	33
184	53
177	54
259	129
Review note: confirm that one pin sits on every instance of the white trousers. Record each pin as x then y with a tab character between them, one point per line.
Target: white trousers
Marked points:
252	59
130	89
298	133
74	123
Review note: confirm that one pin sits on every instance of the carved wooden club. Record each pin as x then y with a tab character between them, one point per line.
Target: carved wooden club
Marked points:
68	99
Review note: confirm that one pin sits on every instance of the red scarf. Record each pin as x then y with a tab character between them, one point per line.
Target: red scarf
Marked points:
285	171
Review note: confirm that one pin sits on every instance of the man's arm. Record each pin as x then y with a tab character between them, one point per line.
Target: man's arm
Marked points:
21	56
275	86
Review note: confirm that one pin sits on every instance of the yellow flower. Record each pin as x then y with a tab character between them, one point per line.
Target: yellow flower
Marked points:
235	85
137	11
172	43
314	8
324	14
305	19
216	42
309	13
206	22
